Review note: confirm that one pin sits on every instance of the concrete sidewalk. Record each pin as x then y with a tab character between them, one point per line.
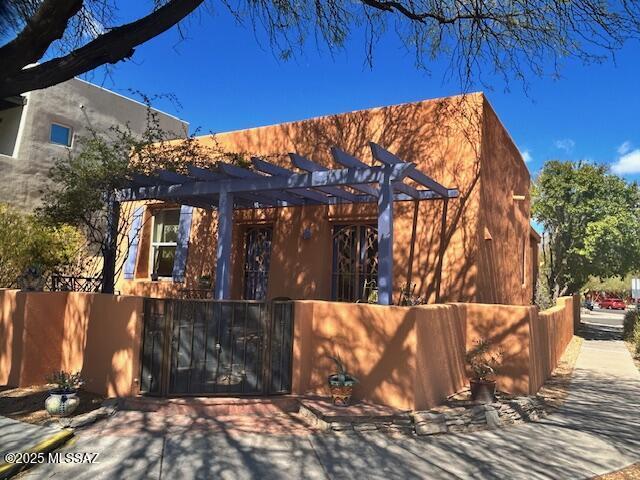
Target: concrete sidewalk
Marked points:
595	432
18	436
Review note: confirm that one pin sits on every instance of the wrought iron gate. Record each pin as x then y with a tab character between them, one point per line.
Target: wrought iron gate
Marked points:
203	347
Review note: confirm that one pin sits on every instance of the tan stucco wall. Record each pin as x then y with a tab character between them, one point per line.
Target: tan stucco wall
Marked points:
79	105
413	358
96	334
505	272
444	138
551	332
409	358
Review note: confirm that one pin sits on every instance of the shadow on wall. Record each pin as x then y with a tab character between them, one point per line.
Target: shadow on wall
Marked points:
413	358
436	244
96	334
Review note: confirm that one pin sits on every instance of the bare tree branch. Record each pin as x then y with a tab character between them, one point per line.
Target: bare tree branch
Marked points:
46	25
115	45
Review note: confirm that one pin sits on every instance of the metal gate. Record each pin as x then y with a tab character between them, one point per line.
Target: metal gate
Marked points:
204	347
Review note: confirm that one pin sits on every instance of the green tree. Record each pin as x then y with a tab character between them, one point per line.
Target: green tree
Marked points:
83	182
27	241
591	223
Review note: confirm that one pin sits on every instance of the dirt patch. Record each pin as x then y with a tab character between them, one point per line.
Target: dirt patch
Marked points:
555	390
632	472
632	350
27	404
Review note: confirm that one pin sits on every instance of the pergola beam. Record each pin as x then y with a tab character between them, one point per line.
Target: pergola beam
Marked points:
307	165
237	172
315	180
275	170
349	161
388	158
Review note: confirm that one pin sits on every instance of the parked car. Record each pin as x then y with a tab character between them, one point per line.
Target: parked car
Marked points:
612	303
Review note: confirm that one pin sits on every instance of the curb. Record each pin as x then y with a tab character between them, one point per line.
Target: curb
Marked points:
55	441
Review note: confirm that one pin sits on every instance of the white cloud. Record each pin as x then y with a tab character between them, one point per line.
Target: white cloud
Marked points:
526	156
565	144
627	164
624	148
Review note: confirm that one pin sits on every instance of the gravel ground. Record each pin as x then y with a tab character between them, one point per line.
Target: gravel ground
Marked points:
27	404
556	389
632	472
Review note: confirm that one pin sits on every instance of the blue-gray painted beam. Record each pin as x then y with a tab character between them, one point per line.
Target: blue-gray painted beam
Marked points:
388	158
343	158
203	174
147	181
385	241
173	177
307	165
223	248
197	202
206	175
342	177
276	170
237	172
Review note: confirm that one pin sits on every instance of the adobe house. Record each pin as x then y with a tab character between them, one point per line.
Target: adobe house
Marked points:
346	208
472	243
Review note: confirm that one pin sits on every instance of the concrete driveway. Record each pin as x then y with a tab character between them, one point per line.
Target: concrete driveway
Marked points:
595	432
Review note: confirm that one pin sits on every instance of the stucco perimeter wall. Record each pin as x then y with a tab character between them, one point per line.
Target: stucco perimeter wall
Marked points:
99	335
413	358
551	332
404	357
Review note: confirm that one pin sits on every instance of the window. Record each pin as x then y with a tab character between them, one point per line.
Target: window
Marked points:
60	135
257	256
164	242
355	262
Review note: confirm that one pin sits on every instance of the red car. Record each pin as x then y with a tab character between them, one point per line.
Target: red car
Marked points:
612	303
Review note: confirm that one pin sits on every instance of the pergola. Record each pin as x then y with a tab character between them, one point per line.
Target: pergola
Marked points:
231	187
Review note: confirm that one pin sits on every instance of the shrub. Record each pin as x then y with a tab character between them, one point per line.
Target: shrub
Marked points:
631	321
636	337
27	242
483	359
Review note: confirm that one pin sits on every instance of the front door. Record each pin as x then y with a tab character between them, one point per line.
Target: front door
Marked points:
257	256
355	262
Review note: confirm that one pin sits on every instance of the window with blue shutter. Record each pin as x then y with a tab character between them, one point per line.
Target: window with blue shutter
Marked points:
134	239
182	247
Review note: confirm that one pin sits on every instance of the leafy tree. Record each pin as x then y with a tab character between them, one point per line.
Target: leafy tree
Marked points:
514	38
620	286
591	224
26	241
83	182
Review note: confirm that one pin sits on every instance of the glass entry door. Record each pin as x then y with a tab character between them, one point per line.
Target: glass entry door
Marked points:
257	256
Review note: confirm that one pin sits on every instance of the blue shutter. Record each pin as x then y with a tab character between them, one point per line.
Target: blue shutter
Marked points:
184	228
134	239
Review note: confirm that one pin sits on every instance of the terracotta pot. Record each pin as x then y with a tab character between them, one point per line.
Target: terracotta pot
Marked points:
483	391
61	404
341	395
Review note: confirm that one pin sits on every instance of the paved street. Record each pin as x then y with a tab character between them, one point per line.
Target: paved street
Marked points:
595	432
603	317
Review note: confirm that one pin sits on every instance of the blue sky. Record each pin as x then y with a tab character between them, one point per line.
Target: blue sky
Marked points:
225	80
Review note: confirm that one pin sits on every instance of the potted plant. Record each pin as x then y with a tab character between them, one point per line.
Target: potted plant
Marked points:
341	384
63	400
33	278
483	360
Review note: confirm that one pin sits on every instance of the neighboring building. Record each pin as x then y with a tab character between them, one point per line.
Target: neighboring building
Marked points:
43	125
477	247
